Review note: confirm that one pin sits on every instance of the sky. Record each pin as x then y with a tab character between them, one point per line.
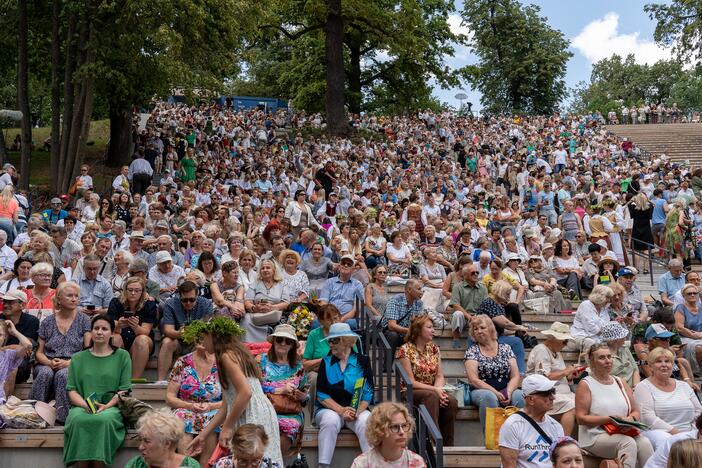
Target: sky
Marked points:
596	29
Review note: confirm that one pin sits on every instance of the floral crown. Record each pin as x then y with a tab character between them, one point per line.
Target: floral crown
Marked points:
220	326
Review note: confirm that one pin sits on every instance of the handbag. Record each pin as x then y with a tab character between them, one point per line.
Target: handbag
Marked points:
283	404
131	408
466	394
538	305
494	418
73	189
458	392
21	414
266	318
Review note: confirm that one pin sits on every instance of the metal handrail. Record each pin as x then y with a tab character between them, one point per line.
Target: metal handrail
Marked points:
385	361
649	257
433	454
401	377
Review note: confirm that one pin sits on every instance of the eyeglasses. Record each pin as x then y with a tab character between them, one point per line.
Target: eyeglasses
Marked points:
474	273
188	300
395	428
692	293
283	340
42	275
545	393
8	302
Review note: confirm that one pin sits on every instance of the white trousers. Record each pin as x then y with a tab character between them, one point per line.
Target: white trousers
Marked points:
657	437
330	424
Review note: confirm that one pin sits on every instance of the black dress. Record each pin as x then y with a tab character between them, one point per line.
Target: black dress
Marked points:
641	231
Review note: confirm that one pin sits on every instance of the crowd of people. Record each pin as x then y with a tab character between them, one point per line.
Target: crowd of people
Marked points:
235	249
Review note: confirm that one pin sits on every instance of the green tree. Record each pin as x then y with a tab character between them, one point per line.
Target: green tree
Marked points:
522	60
679	25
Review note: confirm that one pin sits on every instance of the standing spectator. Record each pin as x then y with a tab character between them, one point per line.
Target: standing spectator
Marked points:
139	174
641	211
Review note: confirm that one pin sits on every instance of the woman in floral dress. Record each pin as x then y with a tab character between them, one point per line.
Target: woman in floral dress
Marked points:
282	374
195	394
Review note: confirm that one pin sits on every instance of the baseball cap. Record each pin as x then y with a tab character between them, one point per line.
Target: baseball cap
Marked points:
347	257
537	383
657	330
15	295
56	201
626	271
162	256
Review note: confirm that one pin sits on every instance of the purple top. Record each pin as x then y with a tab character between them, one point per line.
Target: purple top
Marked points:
10	359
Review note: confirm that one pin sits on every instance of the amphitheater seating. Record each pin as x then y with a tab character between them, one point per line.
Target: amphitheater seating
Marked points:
679	142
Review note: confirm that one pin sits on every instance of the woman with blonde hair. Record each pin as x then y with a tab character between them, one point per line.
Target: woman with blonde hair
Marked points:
685	454
389	428
9	212
264	301
159	433
641	211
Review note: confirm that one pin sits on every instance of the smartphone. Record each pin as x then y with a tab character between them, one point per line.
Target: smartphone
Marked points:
128	313
90	307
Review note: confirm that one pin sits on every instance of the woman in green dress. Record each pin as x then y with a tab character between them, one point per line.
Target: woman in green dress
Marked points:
92	439
187	166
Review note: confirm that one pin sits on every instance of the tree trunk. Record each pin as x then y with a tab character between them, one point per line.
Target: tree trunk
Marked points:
23	94
68	92
354	77
3	148
337	121
120	147
55	94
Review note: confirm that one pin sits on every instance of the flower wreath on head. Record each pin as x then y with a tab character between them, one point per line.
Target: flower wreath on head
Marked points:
219	325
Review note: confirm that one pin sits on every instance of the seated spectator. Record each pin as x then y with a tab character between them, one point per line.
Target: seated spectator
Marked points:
591	316
431	272
103	250
11	357
342	291
543	283
139	268
19	277
99	372
7	255
164	243
660	457
195	395
338	373
283	375
389	429
494	307
166	274
623	363
61	335
599	396
658	336
567	269
248	448
590	266
40	298
688	321
135	316
618	310
399	256
521	440
375	246
566	453
266	299
64	251
247	268
95	291
317	347
227	293
685	454
160	434
633	300
400	311
667	404
671	281
28	326
178	312
57	275
466	297
607	270
317	267
491	369
421	359
691	277
546	359
122	259
296	286
376	296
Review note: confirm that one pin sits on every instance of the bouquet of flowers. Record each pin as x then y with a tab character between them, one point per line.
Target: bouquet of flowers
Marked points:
301	319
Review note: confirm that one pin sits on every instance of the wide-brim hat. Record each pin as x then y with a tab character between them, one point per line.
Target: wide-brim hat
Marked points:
283	330
47	412
559	331
338	330
609	259
612	331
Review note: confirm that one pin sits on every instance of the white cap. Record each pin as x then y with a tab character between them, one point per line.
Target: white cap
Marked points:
162	256
537	383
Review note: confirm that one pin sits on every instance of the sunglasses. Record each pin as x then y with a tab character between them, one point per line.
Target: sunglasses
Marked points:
545	393
8	302
334	340
188	300
282	340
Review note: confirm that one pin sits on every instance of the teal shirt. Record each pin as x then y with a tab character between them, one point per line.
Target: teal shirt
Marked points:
316	346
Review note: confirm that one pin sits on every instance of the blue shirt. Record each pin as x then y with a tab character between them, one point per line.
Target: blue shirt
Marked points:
546	200
339	386
174	313
397	309
50	217
669	285
658	211
341	293
97	292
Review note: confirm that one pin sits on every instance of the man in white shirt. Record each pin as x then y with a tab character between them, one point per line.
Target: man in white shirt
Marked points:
525	437
166	274
7	255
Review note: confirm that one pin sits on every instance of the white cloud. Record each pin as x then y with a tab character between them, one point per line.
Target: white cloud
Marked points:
601	39
454	22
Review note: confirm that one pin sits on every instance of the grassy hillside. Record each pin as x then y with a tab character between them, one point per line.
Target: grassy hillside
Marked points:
40	159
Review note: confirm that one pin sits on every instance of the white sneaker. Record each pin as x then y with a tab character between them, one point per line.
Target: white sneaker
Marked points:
161	382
